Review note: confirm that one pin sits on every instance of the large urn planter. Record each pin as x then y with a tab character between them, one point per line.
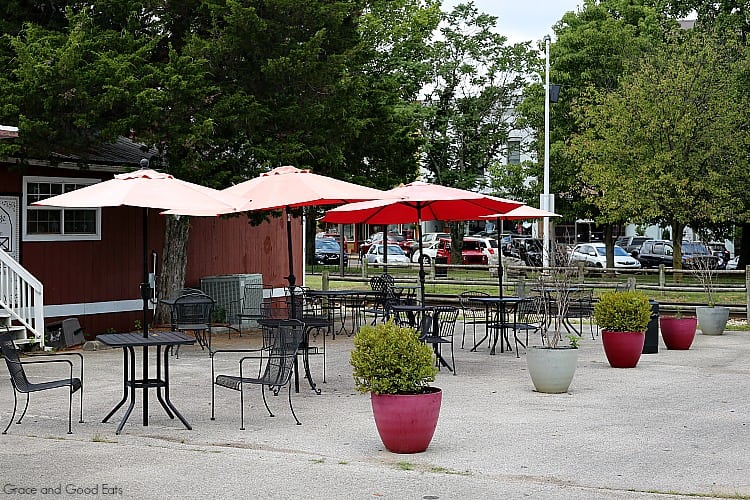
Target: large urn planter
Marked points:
623	349
406	422
391	363
677	333
552	369
712	320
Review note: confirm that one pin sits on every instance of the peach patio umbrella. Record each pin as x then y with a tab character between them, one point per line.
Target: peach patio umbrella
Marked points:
290	187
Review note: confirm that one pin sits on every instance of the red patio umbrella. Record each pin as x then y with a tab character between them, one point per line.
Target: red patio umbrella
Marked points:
421	201
290	187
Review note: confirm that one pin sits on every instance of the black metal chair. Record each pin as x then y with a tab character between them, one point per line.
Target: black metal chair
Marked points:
530	317
438	325
21	383
251	306
192	313
471	312
581	306
276	365
317	319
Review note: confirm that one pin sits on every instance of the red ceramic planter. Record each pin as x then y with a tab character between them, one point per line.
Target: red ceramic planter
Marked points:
406	422
623	349
678	333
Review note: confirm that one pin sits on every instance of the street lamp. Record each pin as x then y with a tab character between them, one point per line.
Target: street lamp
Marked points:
546	201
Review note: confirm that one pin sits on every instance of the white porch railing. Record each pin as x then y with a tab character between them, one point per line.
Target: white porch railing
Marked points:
22	296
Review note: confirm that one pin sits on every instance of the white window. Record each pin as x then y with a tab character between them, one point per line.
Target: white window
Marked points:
57	224
514	151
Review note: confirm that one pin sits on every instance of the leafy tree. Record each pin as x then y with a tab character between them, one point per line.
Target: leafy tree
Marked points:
593	48
476	78
665	145
223	89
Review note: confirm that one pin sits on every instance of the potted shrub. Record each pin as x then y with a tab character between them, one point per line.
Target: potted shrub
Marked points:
711	318
677	331
392	365
551	365
623	317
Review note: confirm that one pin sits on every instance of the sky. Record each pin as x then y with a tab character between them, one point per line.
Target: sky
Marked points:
523	20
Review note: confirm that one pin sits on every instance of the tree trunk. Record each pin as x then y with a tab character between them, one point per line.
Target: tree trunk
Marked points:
744	246
173	263
457	241
677	230
609	245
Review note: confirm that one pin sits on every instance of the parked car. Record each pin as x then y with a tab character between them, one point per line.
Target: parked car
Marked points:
720	250
732	263
376	254
427	240
490	248
656	252
393	238
528	250
632	244
471	253
328	251
428	253
595	255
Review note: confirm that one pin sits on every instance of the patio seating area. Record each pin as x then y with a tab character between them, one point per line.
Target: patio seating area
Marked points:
678	423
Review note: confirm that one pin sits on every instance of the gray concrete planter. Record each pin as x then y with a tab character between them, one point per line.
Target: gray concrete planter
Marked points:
712	320
552	370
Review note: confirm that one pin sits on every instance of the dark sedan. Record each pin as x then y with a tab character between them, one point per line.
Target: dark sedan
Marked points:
327	251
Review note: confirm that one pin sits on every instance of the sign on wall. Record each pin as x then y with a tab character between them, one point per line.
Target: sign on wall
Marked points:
9	221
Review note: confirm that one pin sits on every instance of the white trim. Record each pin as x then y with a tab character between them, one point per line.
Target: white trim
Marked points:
86	308
97	236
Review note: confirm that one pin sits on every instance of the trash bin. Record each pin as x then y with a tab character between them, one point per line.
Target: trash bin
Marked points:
441	271
651	344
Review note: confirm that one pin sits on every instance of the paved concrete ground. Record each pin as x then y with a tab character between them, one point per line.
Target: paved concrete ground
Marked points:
677	426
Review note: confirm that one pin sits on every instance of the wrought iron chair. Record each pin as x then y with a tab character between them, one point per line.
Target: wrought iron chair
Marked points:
275	370
581	306
315	319
21	383
192	313
438	325
251	305
383	284
530	318
471	312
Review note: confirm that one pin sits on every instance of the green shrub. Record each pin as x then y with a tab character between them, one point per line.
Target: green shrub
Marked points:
390	359
623	311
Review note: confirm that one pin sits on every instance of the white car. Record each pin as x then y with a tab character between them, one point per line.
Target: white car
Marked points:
595	255
376	254
429	251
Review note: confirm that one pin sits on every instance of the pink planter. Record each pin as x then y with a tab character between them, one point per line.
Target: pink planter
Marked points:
678	333
623	349
406	422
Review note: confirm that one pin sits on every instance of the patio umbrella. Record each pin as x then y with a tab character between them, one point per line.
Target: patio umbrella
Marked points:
148	189
420	201
290	187
519	213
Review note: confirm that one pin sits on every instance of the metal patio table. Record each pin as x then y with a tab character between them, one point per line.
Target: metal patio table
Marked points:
500	304
164	342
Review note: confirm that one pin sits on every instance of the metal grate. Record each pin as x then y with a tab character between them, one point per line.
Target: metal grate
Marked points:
228	290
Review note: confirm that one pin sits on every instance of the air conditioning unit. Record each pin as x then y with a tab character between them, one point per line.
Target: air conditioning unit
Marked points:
228	290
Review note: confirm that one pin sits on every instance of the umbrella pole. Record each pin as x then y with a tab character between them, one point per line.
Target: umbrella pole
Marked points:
421	257
499	261
290	253
145	295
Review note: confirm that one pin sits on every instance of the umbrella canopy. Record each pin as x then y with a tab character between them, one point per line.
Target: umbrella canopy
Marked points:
418	201
290	187
148	189
521	213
